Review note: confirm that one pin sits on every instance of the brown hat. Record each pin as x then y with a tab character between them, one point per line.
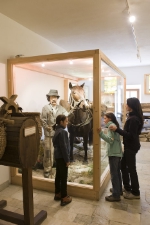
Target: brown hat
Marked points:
53	93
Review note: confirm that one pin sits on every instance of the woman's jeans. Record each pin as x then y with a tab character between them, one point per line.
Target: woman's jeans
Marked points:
129	174
114	163
61	177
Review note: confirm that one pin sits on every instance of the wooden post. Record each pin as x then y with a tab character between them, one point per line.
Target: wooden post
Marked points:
96	123
27	196
66	89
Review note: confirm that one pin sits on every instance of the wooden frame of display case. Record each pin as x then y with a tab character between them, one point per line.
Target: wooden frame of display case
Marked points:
145	84
99	182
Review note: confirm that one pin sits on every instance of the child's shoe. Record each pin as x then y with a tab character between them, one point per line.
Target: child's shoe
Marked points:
66	200
57	197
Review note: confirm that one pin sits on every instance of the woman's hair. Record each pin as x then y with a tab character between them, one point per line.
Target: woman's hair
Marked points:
60	118
112	117
135	105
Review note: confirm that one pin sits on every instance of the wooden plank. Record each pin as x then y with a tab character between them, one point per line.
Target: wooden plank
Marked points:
3	203
40	217
27	196
12	217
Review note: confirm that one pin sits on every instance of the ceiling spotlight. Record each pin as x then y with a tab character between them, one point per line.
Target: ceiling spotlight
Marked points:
90	78
132	19
43	65
103	70
71	62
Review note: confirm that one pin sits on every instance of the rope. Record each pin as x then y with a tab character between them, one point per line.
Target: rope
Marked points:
88	119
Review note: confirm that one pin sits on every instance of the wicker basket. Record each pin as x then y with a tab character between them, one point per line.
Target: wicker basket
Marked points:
2	139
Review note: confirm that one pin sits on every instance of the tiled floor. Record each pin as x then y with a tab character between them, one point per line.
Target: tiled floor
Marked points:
81	211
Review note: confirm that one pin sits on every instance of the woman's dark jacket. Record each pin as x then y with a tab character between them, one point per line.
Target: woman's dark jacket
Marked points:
61	144
131	132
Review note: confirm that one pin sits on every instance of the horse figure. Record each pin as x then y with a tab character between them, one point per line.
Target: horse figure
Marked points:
80	119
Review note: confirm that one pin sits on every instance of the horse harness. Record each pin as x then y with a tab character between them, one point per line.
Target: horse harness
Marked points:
88	119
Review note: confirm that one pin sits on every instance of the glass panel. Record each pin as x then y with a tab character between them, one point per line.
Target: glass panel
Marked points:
112	98
39	79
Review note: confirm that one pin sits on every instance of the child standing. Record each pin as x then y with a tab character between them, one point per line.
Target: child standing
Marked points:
61	154
114	150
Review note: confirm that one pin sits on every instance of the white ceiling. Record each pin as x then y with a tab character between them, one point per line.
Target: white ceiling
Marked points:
77	25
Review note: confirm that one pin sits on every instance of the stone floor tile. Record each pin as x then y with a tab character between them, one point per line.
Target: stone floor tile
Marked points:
86	209
145	208
51	211
97	220
64	215
51	221
117	223
119	205
2	222
145	218
117	215
83	219
134	209
11	208
69	223
15	202
19	195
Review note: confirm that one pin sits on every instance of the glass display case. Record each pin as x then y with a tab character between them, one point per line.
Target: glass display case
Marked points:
31	78
112	99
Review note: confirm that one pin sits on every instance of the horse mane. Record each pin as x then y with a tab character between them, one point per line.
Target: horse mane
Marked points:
65	104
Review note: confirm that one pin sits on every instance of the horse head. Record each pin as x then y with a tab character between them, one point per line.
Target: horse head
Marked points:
77	92
77	95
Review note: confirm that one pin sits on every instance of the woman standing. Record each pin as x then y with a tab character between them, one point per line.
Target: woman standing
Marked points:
132	130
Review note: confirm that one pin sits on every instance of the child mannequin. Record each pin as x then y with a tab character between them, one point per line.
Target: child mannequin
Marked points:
61	153
114	150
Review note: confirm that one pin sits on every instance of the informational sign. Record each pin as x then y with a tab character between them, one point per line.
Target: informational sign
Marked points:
29	131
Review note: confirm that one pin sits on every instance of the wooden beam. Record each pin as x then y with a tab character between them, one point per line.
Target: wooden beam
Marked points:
10	78
45	71
3	203
111	64
40	217
96	122
11	217
53	57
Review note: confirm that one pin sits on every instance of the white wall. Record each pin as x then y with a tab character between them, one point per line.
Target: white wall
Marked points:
32	87
16	39
135	76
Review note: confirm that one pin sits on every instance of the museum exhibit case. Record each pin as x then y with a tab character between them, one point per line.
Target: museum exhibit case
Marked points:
97	86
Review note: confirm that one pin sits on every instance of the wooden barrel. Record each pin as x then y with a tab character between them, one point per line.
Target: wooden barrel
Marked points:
22	143
34	115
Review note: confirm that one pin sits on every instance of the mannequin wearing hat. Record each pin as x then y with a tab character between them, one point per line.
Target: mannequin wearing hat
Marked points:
48	118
